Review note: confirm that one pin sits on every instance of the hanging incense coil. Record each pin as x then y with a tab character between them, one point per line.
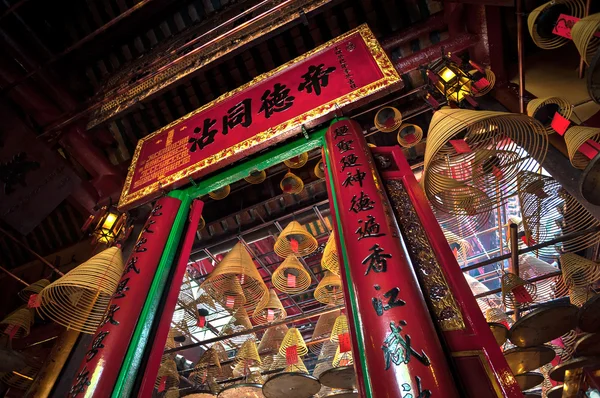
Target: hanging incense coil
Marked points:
517	293
269	309
342	358
271	340
239	322
220	193
325	358
463	224
17	324
579	271
209	364
34	288
577	136
388	119
473	152
544	109
256	177
236	271
541	21
293	338
20	379
319	169
580	295
330	260
201	224
248	354
294	232
329	290
339	327
460	246
297	161
409	135
584	36
172	392
297	367
481	91
548	289
79	299
168	369
496	315
299	280
291	183
485	303
323	330
279	362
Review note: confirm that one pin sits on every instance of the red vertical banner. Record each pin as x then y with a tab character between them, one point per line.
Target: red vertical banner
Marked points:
100	367
396	349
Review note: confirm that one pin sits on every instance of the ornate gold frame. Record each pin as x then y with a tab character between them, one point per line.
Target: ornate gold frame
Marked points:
283	130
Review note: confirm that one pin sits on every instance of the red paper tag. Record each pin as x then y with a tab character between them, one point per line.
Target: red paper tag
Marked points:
33	301
432	101
409	138
505	323
589	151
455	251
270	315
563	26
522	295
497	172
294	245
460	146
230	302
163	384
477	66
291	280
201	321
291	355
593	144
11	331
560	124
481	84
344	340
528	242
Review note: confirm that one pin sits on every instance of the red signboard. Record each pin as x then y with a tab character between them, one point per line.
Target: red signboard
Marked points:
272	107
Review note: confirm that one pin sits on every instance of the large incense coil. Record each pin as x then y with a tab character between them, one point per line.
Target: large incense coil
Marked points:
209	364
477	287
79	299
17	324
297	367
580	295
248	354
409	135
291	266
584	36
461	245
388	119
340	326
21	379
291	183
34	288
294	231
510	282
579	271
542	34
236	268
490	77
279	362
548	289
325	358
272	339
239	322
329	290
167	369
342	358
462	225
256	177
172	392
575	137
543	110
330	260
455	177
269	307
319	169
293	338
496	315
323	330
297	161
221	193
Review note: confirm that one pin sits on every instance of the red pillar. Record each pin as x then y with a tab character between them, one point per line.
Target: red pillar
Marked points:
396	349
101	365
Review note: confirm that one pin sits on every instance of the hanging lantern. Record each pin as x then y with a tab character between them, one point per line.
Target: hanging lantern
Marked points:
323	330
330	260
409	135
517	293
451	81
297	161
329	290
256	177
220	193
291	183
293	338
269	310
549	111
295	239
109	226
388	119
319	169
17	324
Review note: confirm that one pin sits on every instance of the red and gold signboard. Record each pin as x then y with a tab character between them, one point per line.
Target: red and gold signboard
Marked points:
269	109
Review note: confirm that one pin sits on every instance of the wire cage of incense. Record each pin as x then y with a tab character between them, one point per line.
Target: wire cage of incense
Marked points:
584	36
329	290
544	109
17	324
459	246
235	281
540	28
478	91
325	358
293	337
291	183
297	161
579	271
256	177
409	135
291	276
581	141
516	292
388	119
295	239
323	330
297	367
330	260
319	169
548	289
342	358
470	153
220	193
269	309
340	326
271	340
168	370
238	323
34	288
78	300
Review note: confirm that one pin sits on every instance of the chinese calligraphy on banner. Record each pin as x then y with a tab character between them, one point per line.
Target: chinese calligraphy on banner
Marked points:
267	110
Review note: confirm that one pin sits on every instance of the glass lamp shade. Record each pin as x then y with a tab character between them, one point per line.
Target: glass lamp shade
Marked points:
256	177
109	226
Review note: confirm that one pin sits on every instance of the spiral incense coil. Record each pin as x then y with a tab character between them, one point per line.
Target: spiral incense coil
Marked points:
541	21
329	290
220	193
256	177
79	299
584	36
209	364
269	309
548	289
510	282
319	169
172	392
21	379
485	303
201	224
325	358
579	271
271	340
342	358
17	324
472	158
490	77
462	246
339	327
297	367
291	183
464	224
236	271
34	288
496	315
409	135
575	137
330	260
293	338
248	354
294	232
279	362
281	279
323	330
544	109
580	295
465	204
388	119
297	161
169	370
239	322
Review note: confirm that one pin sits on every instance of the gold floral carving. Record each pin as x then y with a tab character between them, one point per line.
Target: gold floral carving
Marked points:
436	290
389	78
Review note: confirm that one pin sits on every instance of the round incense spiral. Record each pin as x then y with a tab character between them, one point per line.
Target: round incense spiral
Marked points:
548	40
575	137
584	36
